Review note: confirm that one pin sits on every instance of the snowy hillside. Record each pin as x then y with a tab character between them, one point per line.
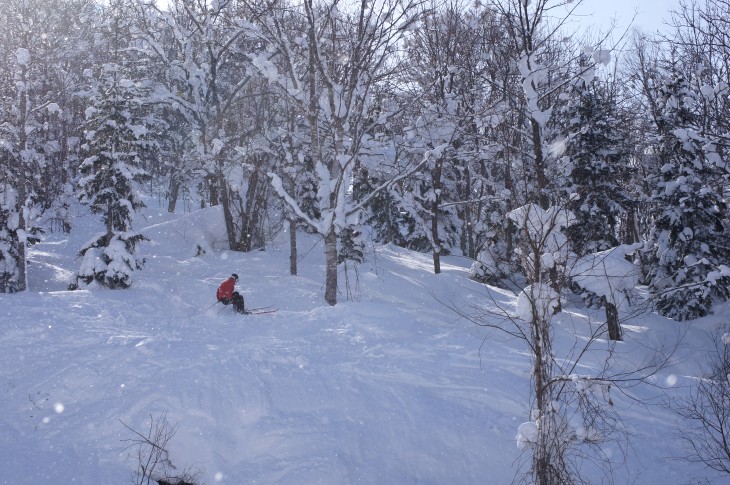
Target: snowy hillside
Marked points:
392	388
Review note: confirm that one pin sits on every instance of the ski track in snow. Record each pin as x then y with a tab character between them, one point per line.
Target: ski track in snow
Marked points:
392	388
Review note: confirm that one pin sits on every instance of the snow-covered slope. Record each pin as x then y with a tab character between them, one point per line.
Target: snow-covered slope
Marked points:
388	388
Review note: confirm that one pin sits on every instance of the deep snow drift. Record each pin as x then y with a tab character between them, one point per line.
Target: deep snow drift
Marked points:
389	387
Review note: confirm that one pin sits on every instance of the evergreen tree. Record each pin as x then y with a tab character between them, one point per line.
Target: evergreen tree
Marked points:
688	240
597	162
116	144
389	223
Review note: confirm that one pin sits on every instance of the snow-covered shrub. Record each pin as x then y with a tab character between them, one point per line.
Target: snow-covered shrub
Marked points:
491	266
537	302
109	260
607	274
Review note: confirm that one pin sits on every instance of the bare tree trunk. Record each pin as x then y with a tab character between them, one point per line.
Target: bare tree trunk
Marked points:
330	251
174	191
630	229
330	238
542	198
251	211
293	247
22	145
470	240
435	217
545	453
227	215
213	189
436	249
509	185
614	327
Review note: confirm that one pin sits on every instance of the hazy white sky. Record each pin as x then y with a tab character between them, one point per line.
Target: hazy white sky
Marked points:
650	13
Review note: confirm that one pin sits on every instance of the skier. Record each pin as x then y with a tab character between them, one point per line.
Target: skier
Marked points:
226	295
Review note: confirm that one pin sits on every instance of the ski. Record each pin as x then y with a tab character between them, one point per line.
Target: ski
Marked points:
270	307
260	310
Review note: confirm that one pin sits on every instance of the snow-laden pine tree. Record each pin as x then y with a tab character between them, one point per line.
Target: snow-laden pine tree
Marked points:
688	250
12	241
598	166
116	144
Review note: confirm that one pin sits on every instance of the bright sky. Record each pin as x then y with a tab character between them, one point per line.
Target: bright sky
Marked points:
651	14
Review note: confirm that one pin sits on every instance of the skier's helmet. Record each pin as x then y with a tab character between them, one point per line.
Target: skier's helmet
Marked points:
234	276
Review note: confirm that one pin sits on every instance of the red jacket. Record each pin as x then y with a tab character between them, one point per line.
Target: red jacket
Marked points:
225	290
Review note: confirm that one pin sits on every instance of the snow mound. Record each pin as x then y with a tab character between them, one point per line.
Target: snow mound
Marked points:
608	273
193	234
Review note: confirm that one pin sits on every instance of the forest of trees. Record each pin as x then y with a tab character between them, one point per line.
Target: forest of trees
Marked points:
427	121
484	129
